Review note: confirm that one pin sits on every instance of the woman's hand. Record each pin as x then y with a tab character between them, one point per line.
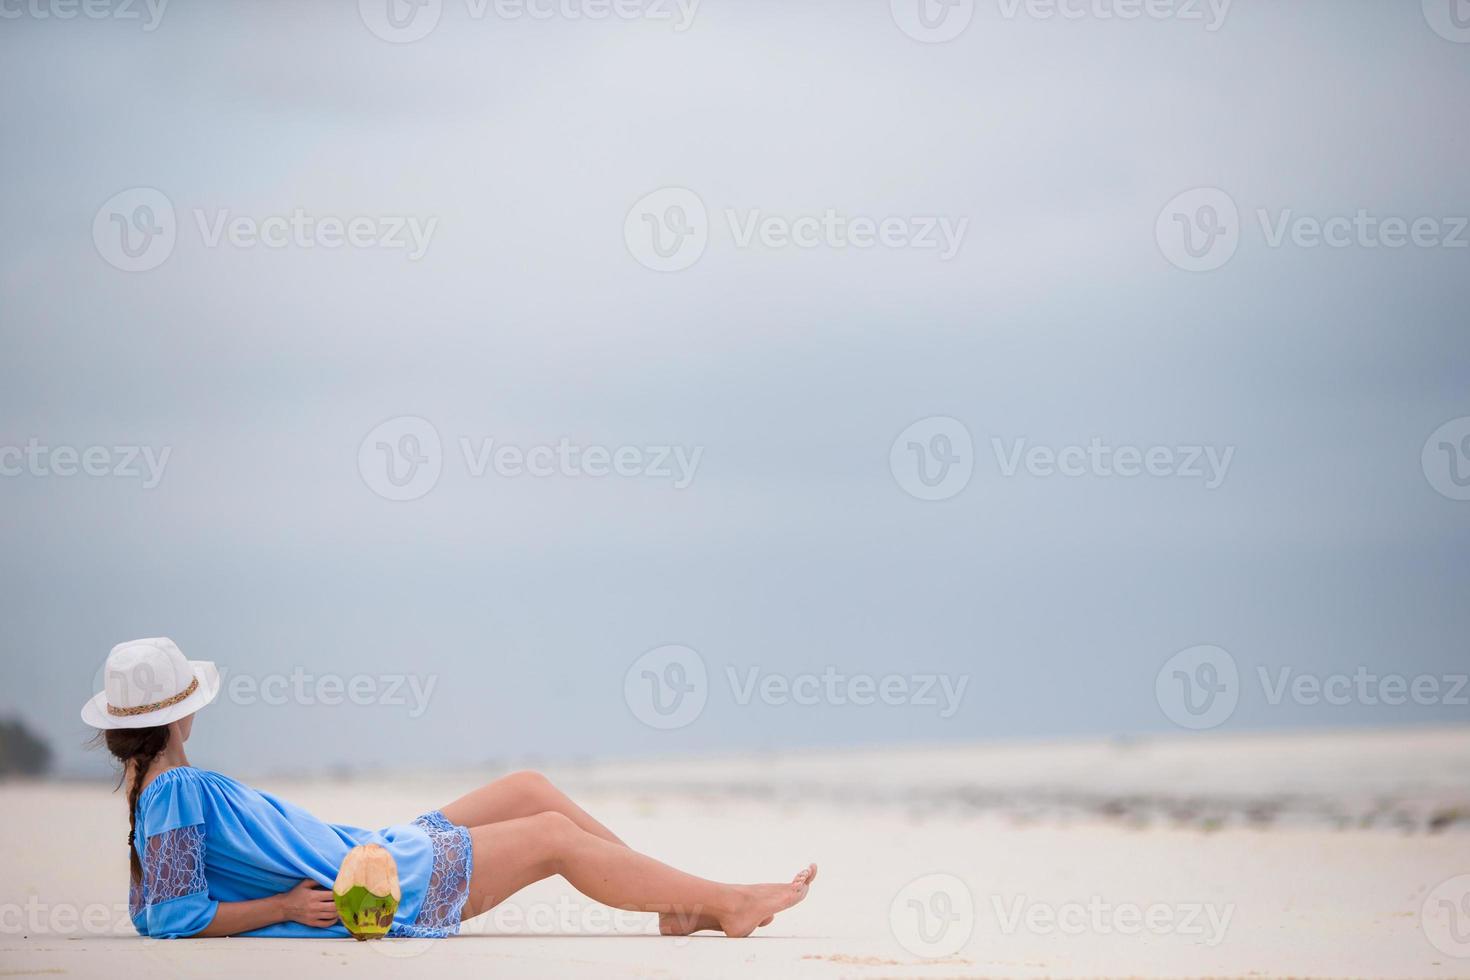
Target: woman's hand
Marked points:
309	904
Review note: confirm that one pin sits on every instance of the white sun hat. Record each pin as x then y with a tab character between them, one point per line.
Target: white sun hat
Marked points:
148	682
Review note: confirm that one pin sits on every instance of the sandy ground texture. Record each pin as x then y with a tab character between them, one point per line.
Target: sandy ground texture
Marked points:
1319	855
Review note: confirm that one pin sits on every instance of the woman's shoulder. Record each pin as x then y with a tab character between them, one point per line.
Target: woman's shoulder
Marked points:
179	795
172	776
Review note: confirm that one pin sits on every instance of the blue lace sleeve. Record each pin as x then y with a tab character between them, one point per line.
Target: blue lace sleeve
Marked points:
174	895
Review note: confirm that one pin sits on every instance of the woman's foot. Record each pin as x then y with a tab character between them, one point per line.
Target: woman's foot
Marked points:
759	904
677	924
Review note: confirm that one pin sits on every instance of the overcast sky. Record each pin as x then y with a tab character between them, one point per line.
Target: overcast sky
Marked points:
987	239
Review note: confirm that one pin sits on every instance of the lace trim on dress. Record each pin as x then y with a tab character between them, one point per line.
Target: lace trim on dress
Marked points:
135	899
173	864
449	883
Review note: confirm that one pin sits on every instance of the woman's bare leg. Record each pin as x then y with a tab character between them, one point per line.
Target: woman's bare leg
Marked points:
521	794
515	853
526	793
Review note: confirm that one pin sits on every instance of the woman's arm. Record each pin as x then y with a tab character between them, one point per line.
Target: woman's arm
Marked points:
308	903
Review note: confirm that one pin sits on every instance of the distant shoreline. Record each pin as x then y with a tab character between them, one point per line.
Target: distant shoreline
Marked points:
1407	780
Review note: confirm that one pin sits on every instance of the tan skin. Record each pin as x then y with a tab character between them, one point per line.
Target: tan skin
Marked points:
524	829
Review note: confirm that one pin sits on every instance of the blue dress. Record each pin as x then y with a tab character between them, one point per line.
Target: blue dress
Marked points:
204	838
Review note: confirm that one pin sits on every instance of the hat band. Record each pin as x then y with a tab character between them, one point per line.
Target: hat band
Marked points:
143	709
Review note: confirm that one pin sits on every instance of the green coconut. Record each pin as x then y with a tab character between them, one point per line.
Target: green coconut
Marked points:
366	891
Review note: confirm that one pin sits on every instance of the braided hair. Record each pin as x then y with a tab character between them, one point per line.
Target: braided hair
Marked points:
138	748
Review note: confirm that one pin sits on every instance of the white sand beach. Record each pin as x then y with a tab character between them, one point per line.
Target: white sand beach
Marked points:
1273	855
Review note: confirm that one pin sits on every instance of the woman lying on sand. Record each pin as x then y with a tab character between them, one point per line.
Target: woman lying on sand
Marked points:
213	857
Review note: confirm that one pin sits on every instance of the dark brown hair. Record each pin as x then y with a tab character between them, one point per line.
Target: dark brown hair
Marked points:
138	747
